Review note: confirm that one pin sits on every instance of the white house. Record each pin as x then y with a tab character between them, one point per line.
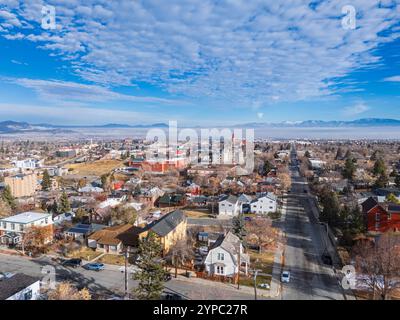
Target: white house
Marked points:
228	207
12	228
19	287
264	204
222	258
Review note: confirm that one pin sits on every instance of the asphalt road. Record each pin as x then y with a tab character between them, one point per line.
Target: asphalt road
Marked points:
110	282
310	278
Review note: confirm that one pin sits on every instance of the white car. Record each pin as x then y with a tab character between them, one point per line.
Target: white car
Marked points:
285	277
264	286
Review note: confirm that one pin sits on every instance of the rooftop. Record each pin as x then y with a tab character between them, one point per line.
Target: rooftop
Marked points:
26	217
14	284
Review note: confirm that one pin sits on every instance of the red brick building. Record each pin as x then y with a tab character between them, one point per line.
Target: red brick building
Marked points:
381	217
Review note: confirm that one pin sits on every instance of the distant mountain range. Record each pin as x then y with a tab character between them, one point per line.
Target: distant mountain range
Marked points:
19	127
368	122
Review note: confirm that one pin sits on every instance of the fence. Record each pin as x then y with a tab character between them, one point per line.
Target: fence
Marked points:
219	278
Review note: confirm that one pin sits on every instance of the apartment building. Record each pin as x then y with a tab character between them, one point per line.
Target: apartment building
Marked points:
12	228
22	185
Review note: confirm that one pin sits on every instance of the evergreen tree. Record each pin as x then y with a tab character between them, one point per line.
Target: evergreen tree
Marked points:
64	204
238	226
382	181
8	197
379	167
330	213
152	274
348	154
46	181
267	167
349	169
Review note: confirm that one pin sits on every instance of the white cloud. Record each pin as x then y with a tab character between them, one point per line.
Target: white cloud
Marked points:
54	90
237	50
392	79
357	109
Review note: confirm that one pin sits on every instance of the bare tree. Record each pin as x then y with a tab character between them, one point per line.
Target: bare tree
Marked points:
65	291
379	264
181	254
260	232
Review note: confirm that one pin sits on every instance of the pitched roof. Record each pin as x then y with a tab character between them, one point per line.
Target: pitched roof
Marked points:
230	243
168	223
14	284
368	204
232	199
170	198
115	235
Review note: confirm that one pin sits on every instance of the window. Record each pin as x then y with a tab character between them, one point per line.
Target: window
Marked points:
21	227
12	226
28	295
220	270
221	256
377	216
46	221
5	225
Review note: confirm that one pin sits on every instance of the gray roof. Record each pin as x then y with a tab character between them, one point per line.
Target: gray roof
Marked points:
168	223
230	243
27	217
232	199
14	284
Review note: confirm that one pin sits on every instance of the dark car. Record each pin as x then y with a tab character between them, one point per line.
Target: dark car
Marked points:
327	259
167	277
73	263
247	218
171	296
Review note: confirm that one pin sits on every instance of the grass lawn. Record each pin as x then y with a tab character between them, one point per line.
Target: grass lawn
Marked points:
190	213
85	254
262	261
249	282
113	259
95	168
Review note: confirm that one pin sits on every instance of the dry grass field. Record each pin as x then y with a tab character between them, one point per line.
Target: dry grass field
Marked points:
96	168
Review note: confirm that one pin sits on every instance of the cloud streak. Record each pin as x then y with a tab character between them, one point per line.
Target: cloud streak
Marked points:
229	50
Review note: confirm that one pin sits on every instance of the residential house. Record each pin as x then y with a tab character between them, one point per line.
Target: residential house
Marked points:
19	286
381	217
81	231
223	257
228	207
170	229
264	204
12	228
171	200
115	239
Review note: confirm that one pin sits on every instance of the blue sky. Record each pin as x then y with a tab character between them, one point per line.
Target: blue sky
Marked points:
198	62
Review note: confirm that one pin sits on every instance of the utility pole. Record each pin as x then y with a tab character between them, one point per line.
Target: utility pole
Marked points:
238	275
126	274
255	284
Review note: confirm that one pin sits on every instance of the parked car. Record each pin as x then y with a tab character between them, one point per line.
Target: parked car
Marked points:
247	218
264	285
285	277
167	277
171	296
72	263
96	266
203	250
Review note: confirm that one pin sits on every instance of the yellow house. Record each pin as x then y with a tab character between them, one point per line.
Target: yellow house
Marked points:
170	229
